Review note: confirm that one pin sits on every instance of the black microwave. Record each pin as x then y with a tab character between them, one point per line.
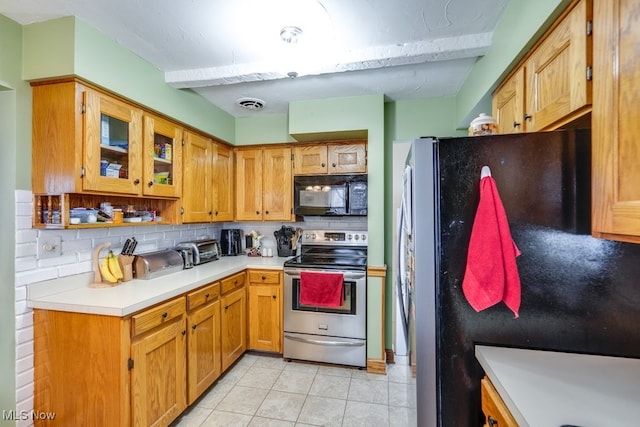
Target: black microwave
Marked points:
330	195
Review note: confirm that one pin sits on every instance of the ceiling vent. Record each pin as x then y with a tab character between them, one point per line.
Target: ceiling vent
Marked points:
251	103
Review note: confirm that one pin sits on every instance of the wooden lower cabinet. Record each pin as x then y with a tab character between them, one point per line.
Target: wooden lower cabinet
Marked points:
233	325
158	375
495	411
265	310
140	370
203	329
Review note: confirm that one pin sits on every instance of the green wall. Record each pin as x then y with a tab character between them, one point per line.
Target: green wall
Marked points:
263	129
519	26
67	46
15	142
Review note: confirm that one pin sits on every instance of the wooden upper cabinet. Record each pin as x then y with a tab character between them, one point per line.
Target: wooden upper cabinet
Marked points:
197	178
162	157
347	158
615	124
330	158
264	184
85	141
112	145
552	85
277	184
508	104
557	75
223	183
249	184
310	160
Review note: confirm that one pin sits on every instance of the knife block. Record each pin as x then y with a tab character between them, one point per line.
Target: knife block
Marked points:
126	265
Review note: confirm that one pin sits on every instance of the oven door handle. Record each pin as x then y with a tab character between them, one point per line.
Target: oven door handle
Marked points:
321	342
349	276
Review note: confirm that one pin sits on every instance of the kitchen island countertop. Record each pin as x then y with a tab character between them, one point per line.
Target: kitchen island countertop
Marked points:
546	388
74	295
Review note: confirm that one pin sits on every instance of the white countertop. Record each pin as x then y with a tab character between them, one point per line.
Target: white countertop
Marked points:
73	294
551	389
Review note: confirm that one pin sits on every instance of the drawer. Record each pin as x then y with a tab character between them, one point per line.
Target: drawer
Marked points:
264	276
203	295
493	407
157	316
233	282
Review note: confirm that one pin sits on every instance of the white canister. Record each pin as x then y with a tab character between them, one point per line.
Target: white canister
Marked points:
483	125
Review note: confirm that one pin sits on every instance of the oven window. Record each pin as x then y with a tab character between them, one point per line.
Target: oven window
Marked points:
349	306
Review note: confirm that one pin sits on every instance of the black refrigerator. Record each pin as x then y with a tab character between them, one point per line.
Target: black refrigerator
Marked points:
578	294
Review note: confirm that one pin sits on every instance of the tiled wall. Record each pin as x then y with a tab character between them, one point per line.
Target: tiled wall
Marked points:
77	250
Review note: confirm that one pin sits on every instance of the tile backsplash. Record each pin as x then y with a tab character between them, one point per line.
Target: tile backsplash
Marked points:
76	258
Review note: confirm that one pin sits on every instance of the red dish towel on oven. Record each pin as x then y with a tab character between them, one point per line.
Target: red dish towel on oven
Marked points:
321	289
491	274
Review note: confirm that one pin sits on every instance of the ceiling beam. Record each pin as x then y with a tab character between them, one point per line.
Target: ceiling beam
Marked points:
302	64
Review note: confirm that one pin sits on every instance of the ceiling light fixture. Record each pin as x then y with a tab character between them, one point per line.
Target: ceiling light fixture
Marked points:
290	34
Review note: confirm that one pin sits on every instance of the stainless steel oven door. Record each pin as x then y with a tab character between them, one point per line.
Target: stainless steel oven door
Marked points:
349	320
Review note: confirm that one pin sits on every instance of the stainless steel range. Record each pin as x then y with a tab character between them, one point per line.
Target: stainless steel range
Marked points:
334	333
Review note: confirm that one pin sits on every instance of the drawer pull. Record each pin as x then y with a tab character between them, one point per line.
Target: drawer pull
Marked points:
264	278
194	327
164	315
491	421
206	295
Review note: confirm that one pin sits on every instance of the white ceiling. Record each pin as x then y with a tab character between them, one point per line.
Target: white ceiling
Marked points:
226	50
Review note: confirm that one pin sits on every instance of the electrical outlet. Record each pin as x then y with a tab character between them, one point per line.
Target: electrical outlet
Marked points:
49	247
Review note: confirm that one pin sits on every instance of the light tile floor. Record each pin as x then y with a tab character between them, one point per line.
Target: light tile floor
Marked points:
268	391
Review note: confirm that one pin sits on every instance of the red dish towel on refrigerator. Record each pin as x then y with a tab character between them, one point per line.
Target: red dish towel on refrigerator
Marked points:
491	274
321	289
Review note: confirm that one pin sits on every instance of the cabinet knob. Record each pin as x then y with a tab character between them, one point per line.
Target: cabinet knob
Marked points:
136	181
216	213
206	295
273	296
150	183
333	164
164	315
257	212
266	212
263	278
323	164
527	116
184	333
516	124
492	422
194	327
210	213
226	307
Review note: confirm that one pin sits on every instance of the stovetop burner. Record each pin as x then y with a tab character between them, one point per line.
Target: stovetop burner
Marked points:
331	250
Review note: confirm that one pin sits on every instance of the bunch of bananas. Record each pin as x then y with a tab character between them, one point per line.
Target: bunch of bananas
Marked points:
110	268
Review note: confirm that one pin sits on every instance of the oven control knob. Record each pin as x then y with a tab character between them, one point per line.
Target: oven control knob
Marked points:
349	237
357	237
364	237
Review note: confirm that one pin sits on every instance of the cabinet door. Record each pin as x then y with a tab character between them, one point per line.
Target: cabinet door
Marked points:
615	142
112	145
508	104
196	178
223	187
233	326
310	159
556	73
277	185
162	157
265	318
249	185
347	158
204	348
158	377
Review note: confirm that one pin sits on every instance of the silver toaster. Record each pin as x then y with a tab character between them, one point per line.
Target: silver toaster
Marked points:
201	250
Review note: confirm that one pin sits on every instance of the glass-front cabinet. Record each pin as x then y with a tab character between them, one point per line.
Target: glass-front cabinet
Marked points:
112	146
162	157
